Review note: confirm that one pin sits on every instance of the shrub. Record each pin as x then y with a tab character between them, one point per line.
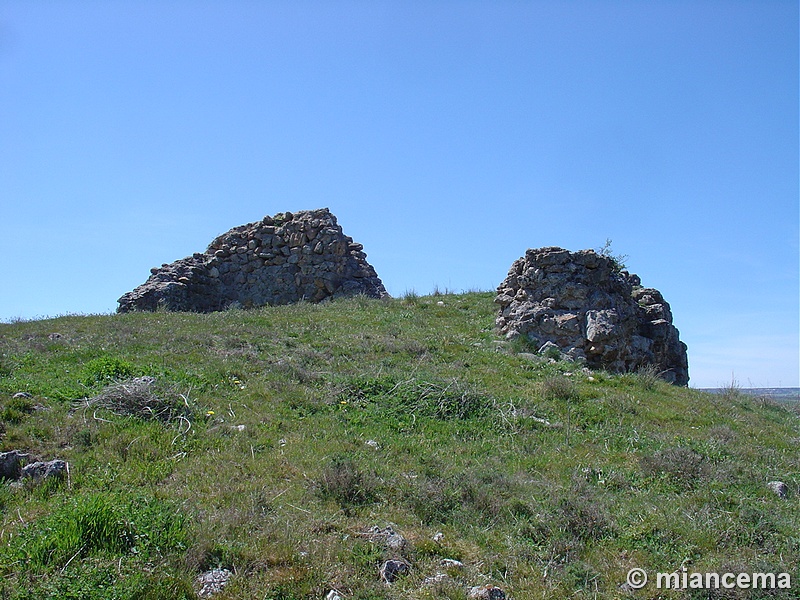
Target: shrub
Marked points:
617	260
106	369
345	483
16	409
559	388
583	518
433	499
681	466
434	399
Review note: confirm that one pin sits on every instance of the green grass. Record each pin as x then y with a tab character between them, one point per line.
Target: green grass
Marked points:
250	452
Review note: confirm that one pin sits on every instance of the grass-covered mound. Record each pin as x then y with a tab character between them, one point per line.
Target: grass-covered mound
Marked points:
271	442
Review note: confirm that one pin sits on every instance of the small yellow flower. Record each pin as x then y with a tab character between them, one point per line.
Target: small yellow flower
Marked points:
209	412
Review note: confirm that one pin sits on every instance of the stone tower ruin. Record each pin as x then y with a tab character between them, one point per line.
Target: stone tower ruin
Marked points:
279	260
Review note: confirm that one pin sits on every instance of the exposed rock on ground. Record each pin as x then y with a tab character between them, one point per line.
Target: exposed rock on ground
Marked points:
392	569
39	471
779	488
387	537
11	468
582	304
212	582
11	464
486	592
278	260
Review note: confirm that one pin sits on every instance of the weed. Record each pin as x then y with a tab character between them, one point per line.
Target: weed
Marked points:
85	533
580	575
411	298
16	409
420	398
522	344
617	260
433	499
559	388
84	438
447	401
82	527
581	516
681	466
165	587
649	377
552	353
486	493
106	369
345	483
732	390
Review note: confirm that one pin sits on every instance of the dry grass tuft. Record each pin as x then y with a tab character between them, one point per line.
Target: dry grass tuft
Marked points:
144	398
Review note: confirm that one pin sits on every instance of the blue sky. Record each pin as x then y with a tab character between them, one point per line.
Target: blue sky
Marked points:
448	137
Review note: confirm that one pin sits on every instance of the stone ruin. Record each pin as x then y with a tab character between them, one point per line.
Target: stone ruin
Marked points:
279	260
586	306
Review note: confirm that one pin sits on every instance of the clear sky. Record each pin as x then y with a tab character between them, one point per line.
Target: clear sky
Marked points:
447	136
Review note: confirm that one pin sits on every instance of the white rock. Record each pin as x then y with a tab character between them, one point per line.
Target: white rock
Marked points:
452	563
212	582
486	592
780	488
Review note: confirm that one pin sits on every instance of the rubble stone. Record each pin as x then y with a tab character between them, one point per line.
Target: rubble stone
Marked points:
281	259
587	307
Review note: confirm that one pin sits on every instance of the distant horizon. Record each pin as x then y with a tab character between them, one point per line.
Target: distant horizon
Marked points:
742	387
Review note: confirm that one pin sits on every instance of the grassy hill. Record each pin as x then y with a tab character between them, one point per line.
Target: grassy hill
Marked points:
271	442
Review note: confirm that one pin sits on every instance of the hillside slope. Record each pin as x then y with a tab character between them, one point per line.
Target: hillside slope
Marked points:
280	443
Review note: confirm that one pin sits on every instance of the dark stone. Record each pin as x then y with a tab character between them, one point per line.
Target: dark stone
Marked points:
11	464
392	569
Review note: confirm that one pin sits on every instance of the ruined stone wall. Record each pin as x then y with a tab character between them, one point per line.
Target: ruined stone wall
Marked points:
278	260
583	304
